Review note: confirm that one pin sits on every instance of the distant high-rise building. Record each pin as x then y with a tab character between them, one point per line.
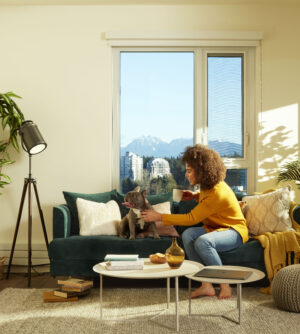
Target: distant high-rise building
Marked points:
158	167
131	165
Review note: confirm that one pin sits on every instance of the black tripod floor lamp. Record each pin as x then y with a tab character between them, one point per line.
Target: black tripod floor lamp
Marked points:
33	143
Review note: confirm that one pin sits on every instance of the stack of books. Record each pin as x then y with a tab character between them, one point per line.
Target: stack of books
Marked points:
123	262
69	290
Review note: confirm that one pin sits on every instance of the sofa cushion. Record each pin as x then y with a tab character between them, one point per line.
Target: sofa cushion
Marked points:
71	198
98	218
269	212
96	247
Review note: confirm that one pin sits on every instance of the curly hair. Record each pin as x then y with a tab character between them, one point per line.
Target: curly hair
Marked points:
207	164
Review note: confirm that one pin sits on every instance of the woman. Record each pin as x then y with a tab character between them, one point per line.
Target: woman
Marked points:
224	226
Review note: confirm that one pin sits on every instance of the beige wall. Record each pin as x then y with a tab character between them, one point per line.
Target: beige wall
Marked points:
57	60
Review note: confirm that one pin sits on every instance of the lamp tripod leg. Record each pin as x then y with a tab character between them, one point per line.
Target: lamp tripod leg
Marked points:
17	227
41	213
29	233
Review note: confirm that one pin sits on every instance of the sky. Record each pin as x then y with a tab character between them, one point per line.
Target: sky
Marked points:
157	96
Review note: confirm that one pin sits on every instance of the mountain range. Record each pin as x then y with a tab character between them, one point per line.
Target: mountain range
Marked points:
156	147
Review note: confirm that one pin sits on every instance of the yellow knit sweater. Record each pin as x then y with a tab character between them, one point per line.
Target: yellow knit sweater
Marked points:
218	209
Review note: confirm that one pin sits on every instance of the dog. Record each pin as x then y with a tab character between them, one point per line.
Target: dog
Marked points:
132	223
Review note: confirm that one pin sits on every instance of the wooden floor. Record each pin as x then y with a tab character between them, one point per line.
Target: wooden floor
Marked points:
38	281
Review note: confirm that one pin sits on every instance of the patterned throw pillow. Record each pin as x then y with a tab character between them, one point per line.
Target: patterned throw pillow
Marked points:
269	212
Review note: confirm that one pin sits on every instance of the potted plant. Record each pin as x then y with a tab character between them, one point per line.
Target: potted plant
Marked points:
290	172
11	117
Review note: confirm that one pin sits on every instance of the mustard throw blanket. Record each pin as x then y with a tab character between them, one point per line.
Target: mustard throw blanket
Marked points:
277	246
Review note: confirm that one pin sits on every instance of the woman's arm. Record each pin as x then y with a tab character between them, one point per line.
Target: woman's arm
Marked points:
204	209
151	216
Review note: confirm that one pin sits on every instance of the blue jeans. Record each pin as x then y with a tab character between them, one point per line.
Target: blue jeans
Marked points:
203	247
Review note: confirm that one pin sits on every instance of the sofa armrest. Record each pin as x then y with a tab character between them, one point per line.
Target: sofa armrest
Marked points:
295	213
61	221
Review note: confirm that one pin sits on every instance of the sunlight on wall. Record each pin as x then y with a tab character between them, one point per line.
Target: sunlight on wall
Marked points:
277	142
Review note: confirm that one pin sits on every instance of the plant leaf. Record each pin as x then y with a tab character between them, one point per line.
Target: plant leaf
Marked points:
5	177
4	121
13	95
290	172
14	142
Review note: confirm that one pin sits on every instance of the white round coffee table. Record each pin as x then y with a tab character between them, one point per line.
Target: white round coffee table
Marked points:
151	271
255	276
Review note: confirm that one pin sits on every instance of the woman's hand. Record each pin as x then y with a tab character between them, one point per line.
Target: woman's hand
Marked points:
150	216
188	195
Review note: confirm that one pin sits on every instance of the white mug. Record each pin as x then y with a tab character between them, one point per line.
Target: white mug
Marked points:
177	195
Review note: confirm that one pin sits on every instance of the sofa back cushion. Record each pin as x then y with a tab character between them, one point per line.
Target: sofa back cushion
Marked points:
71	198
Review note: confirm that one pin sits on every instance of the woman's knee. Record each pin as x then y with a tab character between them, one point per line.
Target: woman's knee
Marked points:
191	234
203	243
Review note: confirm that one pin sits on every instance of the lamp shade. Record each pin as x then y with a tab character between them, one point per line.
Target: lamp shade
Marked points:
32	140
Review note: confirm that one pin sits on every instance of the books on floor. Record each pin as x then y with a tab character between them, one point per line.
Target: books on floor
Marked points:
50	297
76	283
125	265
68	294
69	290
121	257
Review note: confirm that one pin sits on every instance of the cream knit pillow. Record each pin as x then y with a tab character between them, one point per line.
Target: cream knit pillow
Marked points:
269	212
98	218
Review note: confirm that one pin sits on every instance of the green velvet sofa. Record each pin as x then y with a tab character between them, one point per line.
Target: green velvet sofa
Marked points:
74	255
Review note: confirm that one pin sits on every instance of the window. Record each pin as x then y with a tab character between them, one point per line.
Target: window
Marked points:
225	111
167	98
156	118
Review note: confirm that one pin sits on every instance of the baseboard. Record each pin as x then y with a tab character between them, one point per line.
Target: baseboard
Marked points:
39	254
36	269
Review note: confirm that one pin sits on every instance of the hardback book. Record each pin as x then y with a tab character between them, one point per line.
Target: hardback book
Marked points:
49	297
125	265
74	288
76	282
68	294
121	257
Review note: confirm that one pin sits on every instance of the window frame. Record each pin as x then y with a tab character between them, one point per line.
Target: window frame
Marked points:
251	75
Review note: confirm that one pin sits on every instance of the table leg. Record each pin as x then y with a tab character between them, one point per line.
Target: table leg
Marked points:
239	300
168	292
190	299
176	305
101	288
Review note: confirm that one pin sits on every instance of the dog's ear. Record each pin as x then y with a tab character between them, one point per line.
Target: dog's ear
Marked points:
144	193
138	188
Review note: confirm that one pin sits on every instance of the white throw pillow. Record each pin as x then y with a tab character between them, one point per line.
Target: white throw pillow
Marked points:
269	212
164	207
98	218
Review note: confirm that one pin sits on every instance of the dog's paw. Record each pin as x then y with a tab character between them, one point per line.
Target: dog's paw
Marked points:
123	236
131	238
156	237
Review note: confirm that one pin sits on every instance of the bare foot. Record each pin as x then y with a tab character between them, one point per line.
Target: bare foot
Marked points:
206	289
225	291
